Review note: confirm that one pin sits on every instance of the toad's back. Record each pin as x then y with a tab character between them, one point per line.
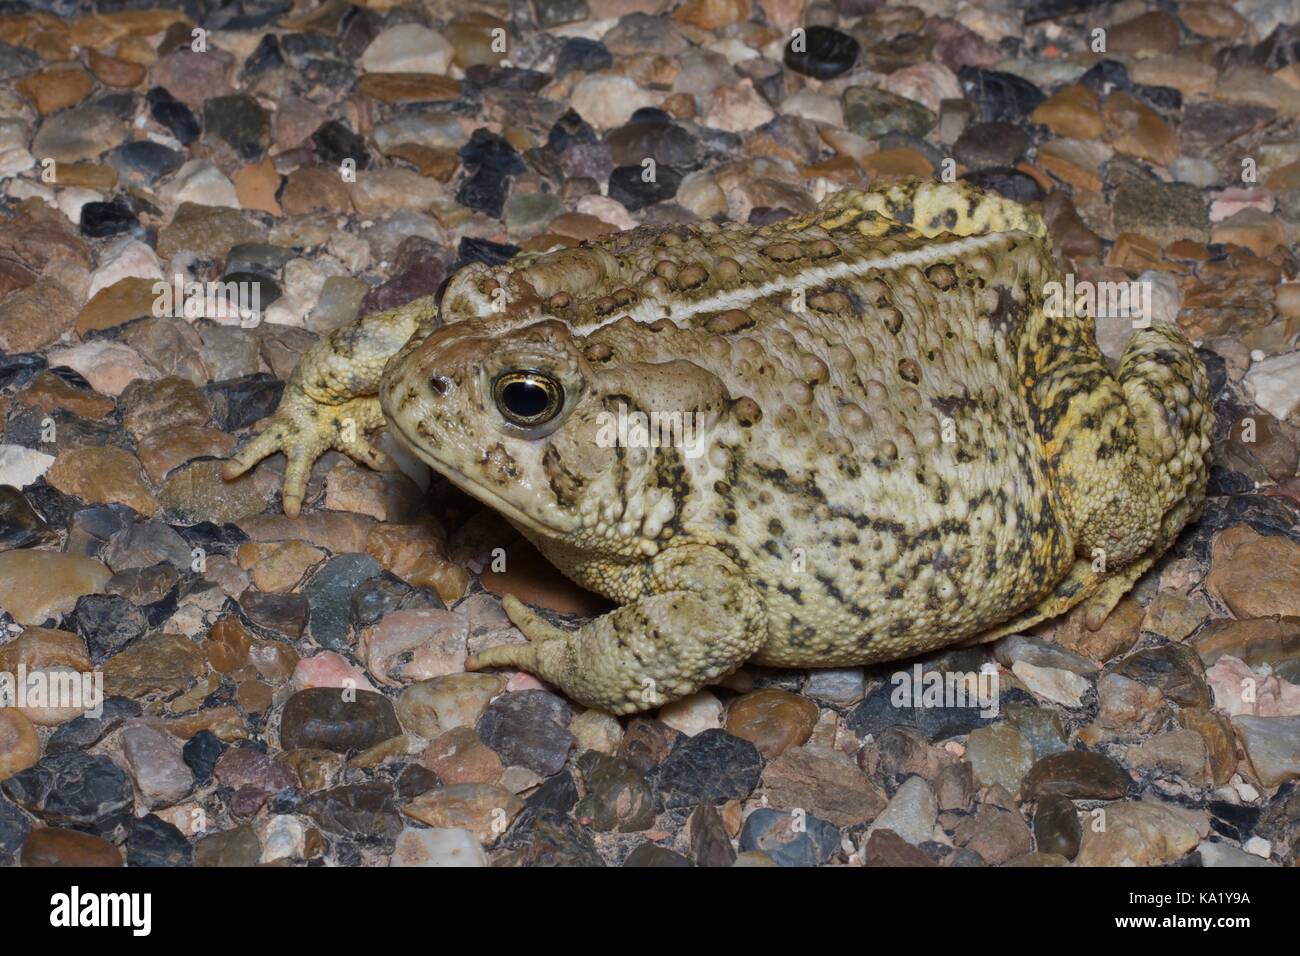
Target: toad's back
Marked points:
890	492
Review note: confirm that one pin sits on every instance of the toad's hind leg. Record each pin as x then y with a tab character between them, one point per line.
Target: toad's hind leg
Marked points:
1130	454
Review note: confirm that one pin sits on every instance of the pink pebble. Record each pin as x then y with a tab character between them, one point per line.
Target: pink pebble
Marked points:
328	669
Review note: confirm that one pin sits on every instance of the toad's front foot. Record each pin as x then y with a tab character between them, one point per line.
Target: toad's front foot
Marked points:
700	621
304	430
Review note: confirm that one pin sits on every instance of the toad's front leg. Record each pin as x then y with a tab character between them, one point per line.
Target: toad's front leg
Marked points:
699	620
329	400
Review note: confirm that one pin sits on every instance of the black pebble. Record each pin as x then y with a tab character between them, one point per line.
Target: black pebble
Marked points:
99	220
579	53
201	753
826	53
173	114
627	186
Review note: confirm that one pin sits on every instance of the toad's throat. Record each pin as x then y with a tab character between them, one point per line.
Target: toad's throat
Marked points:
426	452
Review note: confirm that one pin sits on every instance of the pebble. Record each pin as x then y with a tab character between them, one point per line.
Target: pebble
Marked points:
363	810
20	748
999	755
693	714
710	841
73	789
103	476
1272	746
1255	575
826	52
713	765
20	525
236	847
74	135
606	101
825	783
887	848
789	839
618	797
38	585
14	827
529	728
1273	383
628	186
458	756
911	813
1077	775
773	720
1056	826
164	664
20	467
1052	683
548	838
323	718
484	810
984	145
416	644
1000	97
407	48
201	753
1043	654
1137	834
871	113
995	835
329	597
153	841
444	846
156	765
1118	632
52	846
1214	853
1174	669
1128	705
1179	753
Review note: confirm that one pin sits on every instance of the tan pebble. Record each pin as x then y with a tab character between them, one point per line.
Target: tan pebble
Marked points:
20	748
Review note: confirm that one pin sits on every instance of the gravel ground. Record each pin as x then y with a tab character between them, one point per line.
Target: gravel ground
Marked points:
346	158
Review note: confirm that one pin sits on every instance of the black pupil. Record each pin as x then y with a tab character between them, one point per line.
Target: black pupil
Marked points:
525	399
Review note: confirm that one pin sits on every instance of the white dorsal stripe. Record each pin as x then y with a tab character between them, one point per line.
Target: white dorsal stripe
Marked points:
652	310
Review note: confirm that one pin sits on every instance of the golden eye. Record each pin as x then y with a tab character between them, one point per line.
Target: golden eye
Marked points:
527	397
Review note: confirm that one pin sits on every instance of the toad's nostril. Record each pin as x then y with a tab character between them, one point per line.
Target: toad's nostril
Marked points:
440	384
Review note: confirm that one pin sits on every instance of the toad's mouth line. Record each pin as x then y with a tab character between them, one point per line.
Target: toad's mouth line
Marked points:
480	492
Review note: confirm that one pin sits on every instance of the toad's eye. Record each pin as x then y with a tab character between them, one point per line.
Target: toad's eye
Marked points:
527	397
